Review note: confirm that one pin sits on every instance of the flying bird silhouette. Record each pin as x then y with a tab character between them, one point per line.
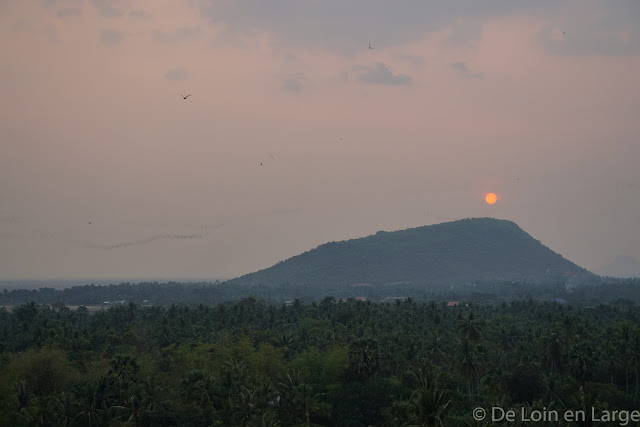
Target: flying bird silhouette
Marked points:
370	46
185	97
271	156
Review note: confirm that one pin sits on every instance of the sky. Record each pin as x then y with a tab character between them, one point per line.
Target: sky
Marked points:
308	122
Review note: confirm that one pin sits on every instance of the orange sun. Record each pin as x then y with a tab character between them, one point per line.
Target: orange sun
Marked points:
491	198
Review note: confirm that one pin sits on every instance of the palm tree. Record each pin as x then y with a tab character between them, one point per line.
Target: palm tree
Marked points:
634	360
553	346
363	358
233	381
426	406
436	345
623	348
200	386
582	360
92	409
469	365
245	404
286	342
132	406
125	369
299	398
471	328
27	402
498	372
154	396
65	407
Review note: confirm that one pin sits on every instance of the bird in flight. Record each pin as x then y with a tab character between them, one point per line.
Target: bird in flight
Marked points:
89	222
370	46
271	156
185	97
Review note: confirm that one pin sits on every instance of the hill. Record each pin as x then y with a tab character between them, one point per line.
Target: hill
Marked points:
468	250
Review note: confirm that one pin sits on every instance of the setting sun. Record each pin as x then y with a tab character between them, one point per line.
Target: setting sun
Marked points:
491	198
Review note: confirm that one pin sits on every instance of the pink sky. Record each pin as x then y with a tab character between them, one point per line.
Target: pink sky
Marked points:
440	112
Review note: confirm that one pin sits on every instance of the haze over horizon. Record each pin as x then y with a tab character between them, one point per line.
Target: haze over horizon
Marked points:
296	133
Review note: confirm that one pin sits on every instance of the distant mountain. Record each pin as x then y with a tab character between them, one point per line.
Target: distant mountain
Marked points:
622	266
476	249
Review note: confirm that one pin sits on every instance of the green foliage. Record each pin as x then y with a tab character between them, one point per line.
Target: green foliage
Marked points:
43	371
526	384
329	363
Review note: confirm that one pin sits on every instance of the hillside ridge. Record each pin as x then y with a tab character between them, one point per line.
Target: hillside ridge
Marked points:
462	251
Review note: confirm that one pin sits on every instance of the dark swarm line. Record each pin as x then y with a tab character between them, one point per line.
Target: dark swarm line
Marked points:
152	239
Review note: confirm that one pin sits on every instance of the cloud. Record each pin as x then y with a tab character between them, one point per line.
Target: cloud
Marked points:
294	82
177	75
571	40
179	35
153	239
106	10
464	31
69	12
415	60
603	28
380	74
111	37
464	70
292	57
139	13
52	33
348	26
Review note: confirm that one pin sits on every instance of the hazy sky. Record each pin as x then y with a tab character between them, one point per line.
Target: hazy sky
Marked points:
105	171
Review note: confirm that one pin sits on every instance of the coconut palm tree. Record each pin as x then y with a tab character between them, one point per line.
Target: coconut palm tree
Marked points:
469	365
553	348
363	358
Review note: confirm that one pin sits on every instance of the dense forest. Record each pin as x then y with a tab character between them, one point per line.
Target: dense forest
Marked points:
583	292
331	362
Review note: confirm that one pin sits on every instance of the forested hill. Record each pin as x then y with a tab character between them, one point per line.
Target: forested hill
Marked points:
468	250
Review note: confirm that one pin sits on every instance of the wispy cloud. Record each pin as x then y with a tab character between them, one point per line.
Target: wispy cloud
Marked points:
415	60
464	31
111	37
294	82
139	13
602	39
351	22
381	74
105	9
464	70
52	33
179	35
178	74
69	12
